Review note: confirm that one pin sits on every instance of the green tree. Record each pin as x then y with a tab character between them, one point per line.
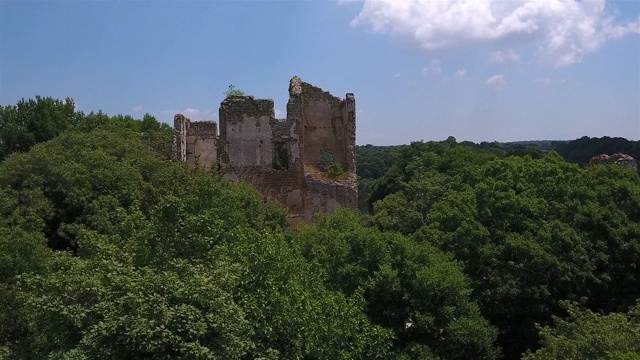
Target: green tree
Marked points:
373	162
103	307
530	231
32	121
156	261
580	151
410	288
588	335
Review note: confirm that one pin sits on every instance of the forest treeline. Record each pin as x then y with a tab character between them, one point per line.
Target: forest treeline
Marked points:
108	250
374	161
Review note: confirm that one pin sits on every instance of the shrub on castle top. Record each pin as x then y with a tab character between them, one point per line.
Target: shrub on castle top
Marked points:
232	91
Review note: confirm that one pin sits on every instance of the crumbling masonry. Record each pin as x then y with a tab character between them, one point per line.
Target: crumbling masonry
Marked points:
285	159
624	160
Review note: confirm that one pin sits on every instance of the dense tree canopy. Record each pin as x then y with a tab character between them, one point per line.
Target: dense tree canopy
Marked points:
373	162
530	232
412	288
32	121
588	335
580	151
157	262
470	251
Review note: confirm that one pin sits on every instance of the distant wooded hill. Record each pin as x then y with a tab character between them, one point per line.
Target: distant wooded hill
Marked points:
374	161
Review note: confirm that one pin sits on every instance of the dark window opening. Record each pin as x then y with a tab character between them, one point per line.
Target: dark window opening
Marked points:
280	156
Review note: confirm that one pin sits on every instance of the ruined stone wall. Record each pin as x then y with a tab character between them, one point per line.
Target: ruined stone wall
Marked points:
283	187
257	148
349	118
195	143
324	196
202	148
328	127
620	159
272	154
179	138
245	131
328	135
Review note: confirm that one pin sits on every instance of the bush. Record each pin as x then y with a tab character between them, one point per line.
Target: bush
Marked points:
335	171
232	91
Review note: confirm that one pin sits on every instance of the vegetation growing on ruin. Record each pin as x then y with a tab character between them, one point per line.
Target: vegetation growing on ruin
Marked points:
471	251
335	171
232	91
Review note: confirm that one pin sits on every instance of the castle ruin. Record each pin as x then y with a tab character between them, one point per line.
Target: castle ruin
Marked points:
620	159
286	160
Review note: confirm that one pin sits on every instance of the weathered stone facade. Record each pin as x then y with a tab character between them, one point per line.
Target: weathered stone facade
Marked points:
285	159
620	159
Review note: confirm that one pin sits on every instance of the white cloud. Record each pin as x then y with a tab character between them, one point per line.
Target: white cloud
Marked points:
433	68
137	108
279	114
460	74
498	57
496	81
191	113
565	30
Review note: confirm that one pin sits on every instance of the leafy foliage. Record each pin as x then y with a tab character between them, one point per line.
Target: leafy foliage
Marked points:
580	151
588	335
157	262
373	162
232	91
104	308
530	232
471	251
410	288
335	171
32	121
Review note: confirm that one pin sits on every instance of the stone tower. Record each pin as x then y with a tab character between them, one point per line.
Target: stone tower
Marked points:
286	160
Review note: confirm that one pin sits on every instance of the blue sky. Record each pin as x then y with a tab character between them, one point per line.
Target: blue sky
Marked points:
420	70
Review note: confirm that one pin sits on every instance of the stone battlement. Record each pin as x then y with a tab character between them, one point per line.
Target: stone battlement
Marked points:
272	154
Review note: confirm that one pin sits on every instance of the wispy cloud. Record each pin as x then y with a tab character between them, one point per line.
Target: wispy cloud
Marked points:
191	113
496	81
460	74
433	68
137	108
498	57
564	30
